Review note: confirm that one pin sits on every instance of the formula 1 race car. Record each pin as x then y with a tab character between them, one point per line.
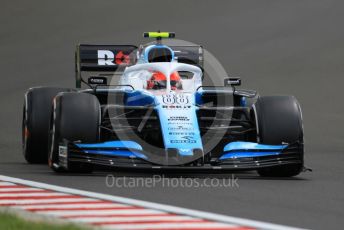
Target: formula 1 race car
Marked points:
147	107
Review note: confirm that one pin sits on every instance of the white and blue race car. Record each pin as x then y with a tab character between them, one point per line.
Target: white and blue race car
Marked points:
146	107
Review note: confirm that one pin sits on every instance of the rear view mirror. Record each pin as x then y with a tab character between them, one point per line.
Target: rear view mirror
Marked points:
232	81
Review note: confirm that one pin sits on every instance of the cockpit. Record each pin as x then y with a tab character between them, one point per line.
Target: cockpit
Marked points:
163	76
159	81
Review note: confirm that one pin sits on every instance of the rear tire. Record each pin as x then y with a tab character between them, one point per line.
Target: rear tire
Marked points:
75	117
35	123
279	120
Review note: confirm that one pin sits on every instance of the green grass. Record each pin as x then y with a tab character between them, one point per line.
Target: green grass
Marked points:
12	222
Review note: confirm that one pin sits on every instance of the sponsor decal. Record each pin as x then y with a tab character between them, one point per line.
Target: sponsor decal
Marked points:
107	57
176	106
183	141
180	128
122	58
232	81
180	123
62	151
187	137
182	133
178	99
178	118
97	80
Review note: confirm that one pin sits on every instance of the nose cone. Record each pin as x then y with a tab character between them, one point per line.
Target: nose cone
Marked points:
179	126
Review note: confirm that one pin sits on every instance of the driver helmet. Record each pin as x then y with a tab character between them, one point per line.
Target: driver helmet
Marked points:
159	81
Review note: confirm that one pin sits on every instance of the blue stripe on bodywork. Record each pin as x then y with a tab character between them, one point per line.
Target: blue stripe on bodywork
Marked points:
240	149
112	144
242	145
117	153
138	98
238	154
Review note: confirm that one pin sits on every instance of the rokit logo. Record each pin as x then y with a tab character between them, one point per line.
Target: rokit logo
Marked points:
107	57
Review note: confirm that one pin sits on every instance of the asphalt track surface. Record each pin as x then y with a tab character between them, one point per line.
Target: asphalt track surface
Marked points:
277	47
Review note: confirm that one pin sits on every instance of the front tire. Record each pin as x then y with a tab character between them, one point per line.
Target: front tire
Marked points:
75	117
278	121
35	123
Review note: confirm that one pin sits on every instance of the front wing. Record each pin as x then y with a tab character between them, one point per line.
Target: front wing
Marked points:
237	156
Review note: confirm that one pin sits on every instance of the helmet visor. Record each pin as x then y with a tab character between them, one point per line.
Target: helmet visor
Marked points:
160	84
